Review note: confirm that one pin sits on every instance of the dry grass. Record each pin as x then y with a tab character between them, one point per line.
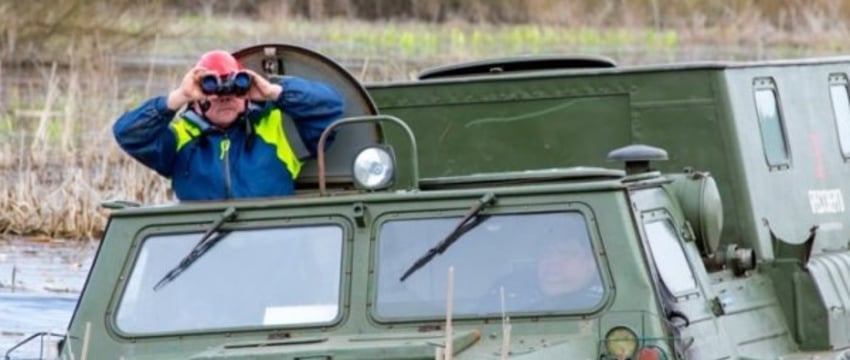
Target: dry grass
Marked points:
58	159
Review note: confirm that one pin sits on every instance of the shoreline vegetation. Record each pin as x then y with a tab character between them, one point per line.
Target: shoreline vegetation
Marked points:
69	69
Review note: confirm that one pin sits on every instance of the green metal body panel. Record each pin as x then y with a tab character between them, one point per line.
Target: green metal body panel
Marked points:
561	119
703	114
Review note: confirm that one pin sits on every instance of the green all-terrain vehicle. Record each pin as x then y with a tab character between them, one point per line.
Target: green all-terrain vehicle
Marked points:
511	208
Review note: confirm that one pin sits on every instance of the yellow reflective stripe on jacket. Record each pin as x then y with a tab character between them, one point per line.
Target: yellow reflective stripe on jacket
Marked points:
270	130
184	131
225	147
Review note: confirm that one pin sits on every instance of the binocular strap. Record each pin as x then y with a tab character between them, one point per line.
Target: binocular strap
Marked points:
294	139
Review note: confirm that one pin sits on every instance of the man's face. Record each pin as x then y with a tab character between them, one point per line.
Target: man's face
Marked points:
224	110
565	267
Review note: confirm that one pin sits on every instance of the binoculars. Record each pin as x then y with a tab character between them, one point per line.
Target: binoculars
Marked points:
237	83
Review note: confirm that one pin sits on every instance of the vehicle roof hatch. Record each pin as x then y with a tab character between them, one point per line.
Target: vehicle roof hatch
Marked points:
275	60
518	64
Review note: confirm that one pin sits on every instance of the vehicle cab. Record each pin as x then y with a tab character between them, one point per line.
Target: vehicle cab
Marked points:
547	264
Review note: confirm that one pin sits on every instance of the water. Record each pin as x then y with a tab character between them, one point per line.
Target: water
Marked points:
48	276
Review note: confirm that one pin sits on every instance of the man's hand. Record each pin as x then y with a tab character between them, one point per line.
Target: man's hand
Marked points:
189	90
262	89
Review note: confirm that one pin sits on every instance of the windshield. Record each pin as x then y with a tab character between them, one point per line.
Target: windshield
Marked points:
266	277
542	262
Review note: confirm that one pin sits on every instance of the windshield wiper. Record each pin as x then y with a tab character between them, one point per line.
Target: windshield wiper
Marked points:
469	222
207	241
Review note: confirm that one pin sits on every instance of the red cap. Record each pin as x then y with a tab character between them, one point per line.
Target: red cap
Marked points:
220	61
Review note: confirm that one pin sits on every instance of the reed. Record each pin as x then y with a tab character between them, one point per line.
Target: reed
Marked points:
59	159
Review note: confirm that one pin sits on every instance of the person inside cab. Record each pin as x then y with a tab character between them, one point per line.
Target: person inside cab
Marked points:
567	276
564	277
240	135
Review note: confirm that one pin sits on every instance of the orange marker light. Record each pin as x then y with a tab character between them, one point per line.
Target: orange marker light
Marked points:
651	353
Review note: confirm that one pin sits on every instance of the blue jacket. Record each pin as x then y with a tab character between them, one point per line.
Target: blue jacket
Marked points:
252	158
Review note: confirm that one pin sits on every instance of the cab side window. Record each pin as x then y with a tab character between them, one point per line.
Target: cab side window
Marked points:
771	124
841	109
670	257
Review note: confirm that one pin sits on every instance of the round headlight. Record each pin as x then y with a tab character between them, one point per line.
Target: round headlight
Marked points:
621	342
374	168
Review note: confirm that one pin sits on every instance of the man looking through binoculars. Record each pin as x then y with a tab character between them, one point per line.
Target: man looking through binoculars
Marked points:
239	136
